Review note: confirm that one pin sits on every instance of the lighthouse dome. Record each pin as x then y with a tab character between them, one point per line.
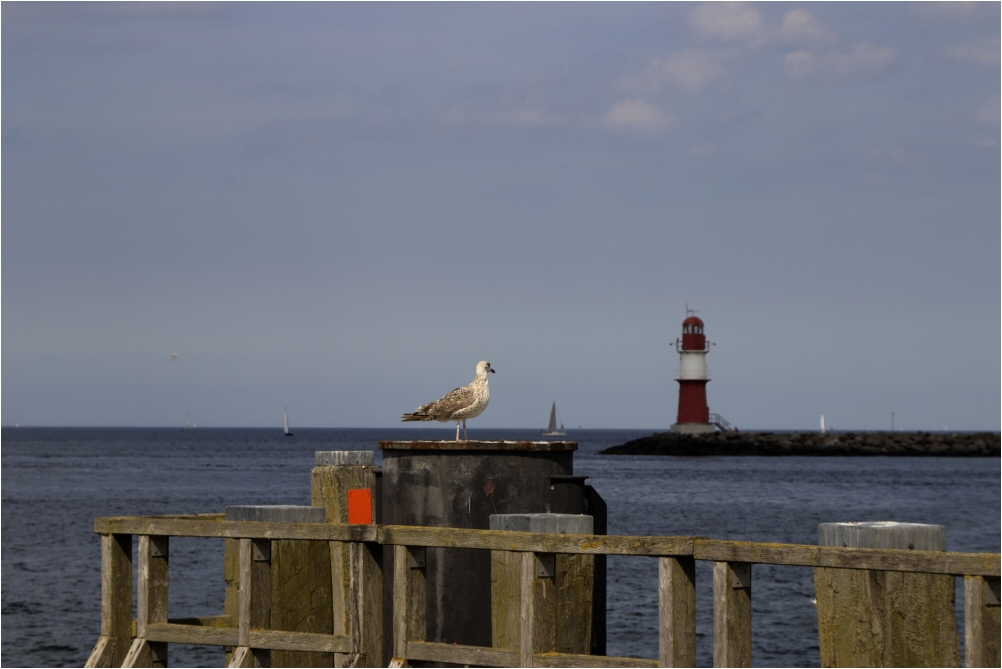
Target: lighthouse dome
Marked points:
692	320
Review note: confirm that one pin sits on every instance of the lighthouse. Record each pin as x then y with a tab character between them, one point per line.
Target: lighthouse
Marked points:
693	412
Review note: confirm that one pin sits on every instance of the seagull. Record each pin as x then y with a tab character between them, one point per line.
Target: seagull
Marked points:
459	405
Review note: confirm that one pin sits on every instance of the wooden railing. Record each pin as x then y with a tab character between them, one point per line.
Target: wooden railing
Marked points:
676	555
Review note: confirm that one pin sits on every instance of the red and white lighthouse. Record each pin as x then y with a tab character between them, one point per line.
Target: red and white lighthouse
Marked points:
693	411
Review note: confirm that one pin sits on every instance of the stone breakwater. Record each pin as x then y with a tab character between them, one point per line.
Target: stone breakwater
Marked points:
967	444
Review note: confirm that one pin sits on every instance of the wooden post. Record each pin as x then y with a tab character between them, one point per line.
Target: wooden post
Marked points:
527	619
409	605
154	576
335	473
562	591
116	602
291	589
982	621
255	601
884	618
366	605
732	628
677	576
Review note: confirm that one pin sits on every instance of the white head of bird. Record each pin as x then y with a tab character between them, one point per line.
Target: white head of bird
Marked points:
482	368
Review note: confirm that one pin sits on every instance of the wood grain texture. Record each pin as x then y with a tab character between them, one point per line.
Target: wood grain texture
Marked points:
367	597
116	595
139	655
401	603
573	660
474	656
301	598
258	639
890	619
529	568
982	623
102	655
933	562
153	582
732	624
242	657
677	594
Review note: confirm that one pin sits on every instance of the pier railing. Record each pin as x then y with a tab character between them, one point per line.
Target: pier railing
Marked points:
143	642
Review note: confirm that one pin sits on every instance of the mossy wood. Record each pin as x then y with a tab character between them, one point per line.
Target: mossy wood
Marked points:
732	621
982	621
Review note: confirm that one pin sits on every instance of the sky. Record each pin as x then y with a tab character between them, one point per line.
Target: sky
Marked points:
342	208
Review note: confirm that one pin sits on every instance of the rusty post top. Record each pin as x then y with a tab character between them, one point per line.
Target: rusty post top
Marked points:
479	445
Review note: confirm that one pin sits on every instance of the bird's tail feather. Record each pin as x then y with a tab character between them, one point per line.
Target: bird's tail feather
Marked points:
415	416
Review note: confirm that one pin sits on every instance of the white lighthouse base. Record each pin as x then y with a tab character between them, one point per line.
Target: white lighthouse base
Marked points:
693	428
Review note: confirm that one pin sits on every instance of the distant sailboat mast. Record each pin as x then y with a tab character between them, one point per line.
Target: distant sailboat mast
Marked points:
288	433
552	429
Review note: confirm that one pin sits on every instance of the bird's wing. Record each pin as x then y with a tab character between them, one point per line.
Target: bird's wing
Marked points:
460	398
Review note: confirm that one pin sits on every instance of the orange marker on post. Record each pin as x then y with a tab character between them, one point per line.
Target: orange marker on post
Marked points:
360	506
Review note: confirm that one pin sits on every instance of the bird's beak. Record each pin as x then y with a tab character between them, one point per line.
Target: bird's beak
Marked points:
490	369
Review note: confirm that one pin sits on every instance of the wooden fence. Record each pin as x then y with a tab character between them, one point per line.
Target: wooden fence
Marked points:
144	642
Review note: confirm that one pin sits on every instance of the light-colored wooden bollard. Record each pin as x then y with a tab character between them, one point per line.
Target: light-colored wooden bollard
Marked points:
883	618
732	624
290	589
353	567
559	614
677	595
982	621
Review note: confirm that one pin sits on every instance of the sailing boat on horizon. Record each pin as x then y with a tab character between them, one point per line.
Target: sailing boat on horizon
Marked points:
552	430
190	425
288	432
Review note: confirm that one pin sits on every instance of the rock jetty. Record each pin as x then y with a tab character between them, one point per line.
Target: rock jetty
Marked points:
966	444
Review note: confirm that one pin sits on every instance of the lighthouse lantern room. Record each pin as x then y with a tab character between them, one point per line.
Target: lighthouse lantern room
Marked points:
693	411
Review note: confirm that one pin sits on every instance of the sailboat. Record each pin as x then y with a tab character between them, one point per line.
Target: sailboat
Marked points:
288	432
190	425
552	431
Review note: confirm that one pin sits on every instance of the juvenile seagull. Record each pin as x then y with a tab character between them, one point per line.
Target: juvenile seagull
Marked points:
460	404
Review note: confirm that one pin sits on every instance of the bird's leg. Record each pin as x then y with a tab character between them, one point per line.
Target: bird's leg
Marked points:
466	435
458	423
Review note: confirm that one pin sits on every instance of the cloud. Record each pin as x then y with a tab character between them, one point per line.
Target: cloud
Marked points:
742	23
691	70
862	58
983	50
638	115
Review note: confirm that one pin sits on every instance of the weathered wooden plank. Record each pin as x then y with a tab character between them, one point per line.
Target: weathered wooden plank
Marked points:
242	657
476	656
931	562
530	568
367	597
258	639
116	595
153	582
234	529
139	655
732	628
301	597
102	655
572	660
246	593
498	540
677	580
401	605
982	622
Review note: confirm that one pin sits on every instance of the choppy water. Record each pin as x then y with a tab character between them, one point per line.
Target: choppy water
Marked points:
56	481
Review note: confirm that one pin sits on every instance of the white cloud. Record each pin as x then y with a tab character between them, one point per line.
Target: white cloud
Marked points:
742	23
638	115
691	70
800	64
731	22
862	58
984	50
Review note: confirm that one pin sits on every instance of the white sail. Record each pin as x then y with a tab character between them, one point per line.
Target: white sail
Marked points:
287	420
553	419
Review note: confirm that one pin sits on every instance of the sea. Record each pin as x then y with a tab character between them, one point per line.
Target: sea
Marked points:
56	481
